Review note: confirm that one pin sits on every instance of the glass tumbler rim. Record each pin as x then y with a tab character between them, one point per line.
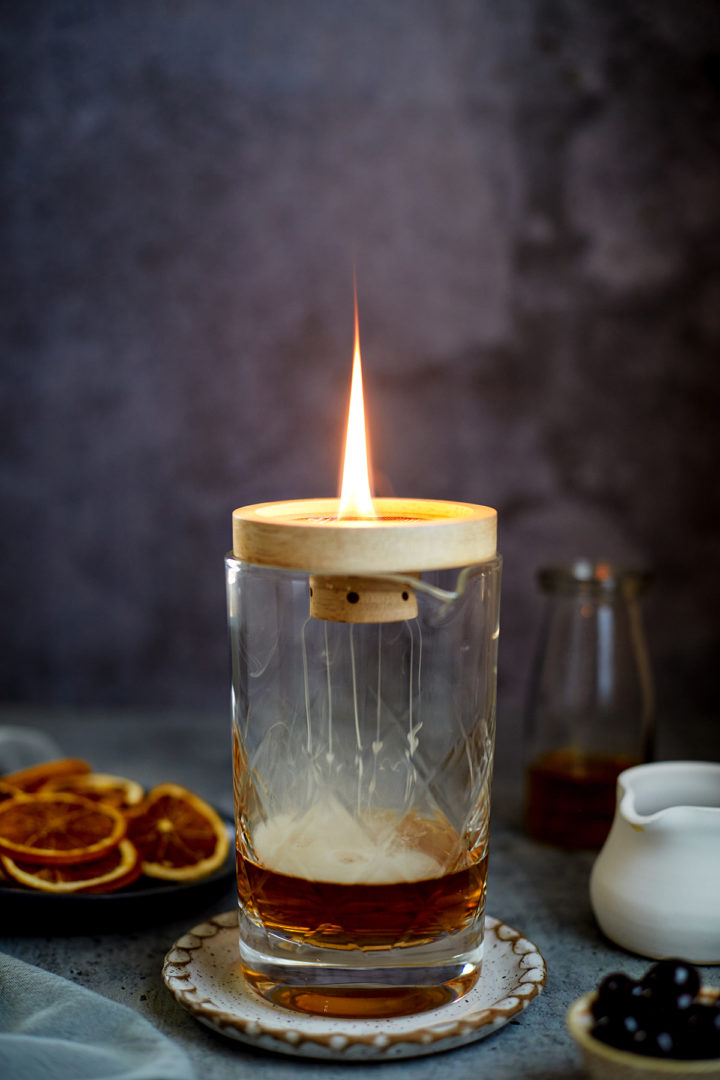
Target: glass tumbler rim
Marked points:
493	562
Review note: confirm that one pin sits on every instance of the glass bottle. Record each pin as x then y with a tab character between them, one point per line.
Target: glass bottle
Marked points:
591	704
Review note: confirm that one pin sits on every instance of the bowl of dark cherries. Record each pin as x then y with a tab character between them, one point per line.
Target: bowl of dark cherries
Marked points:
663	1025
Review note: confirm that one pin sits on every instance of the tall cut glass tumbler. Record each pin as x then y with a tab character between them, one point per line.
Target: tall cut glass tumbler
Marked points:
362	763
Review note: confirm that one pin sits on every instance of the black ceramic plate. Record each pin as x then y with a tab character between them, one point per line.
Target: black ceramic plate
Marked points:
144	903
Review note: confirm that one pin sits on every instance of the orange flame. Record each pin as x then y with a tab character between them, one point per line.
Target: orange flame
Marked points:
355	494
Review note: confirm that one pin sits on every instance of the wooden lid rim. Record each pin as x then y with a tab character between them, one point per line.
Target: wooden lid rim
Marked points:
408	535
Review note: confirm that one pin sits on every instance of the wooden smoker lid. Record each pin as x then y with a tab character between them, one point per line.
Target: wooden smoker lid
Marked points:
408	535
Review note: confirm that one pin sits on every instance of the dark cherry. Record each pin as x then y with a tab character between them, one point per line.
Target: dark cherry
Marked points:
607	1030
641	1041
644	1003
658	1015
671	984
701	1031
624	1032
662	1044
613	995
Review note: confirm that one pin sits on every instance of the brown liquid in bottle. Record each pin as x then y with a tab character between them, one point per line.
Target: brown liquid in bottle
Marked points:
571	797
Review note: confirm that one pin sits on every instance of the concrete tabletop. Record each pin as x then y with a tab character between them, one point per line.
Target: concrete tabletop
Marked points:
540	891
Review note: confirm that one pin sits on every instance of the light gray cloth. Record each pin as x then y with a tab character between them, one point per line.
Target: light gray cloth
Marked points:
21	747
51	1029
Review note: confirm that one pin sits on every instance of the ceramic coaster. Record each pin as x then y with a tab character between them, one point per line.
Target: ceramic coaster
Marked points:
202	971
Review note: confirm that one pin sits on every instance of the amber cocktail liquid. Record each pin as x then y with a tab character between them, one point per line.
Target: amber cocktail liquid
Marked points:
364	720
361	903
366	885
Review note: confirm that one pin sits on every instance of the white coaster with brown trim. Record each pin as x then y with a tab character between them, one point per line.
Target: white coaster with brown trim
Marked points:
202	971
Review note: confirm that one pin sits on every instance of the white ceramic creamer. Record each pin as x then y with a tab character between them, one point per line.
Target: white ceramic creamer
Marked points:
655	886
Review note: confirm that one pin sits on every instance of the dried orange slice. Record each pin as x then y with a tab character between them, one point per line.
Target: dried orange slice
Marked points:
33	778
57	829
8	791
179	837
118	868
118	791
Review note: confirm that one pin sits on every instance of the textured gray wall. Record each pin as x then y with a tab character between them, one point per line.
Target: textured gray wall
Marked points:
531	193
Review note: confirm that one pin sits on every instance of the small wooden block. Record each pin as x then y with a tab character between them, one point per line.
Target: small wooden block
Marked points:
361	599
